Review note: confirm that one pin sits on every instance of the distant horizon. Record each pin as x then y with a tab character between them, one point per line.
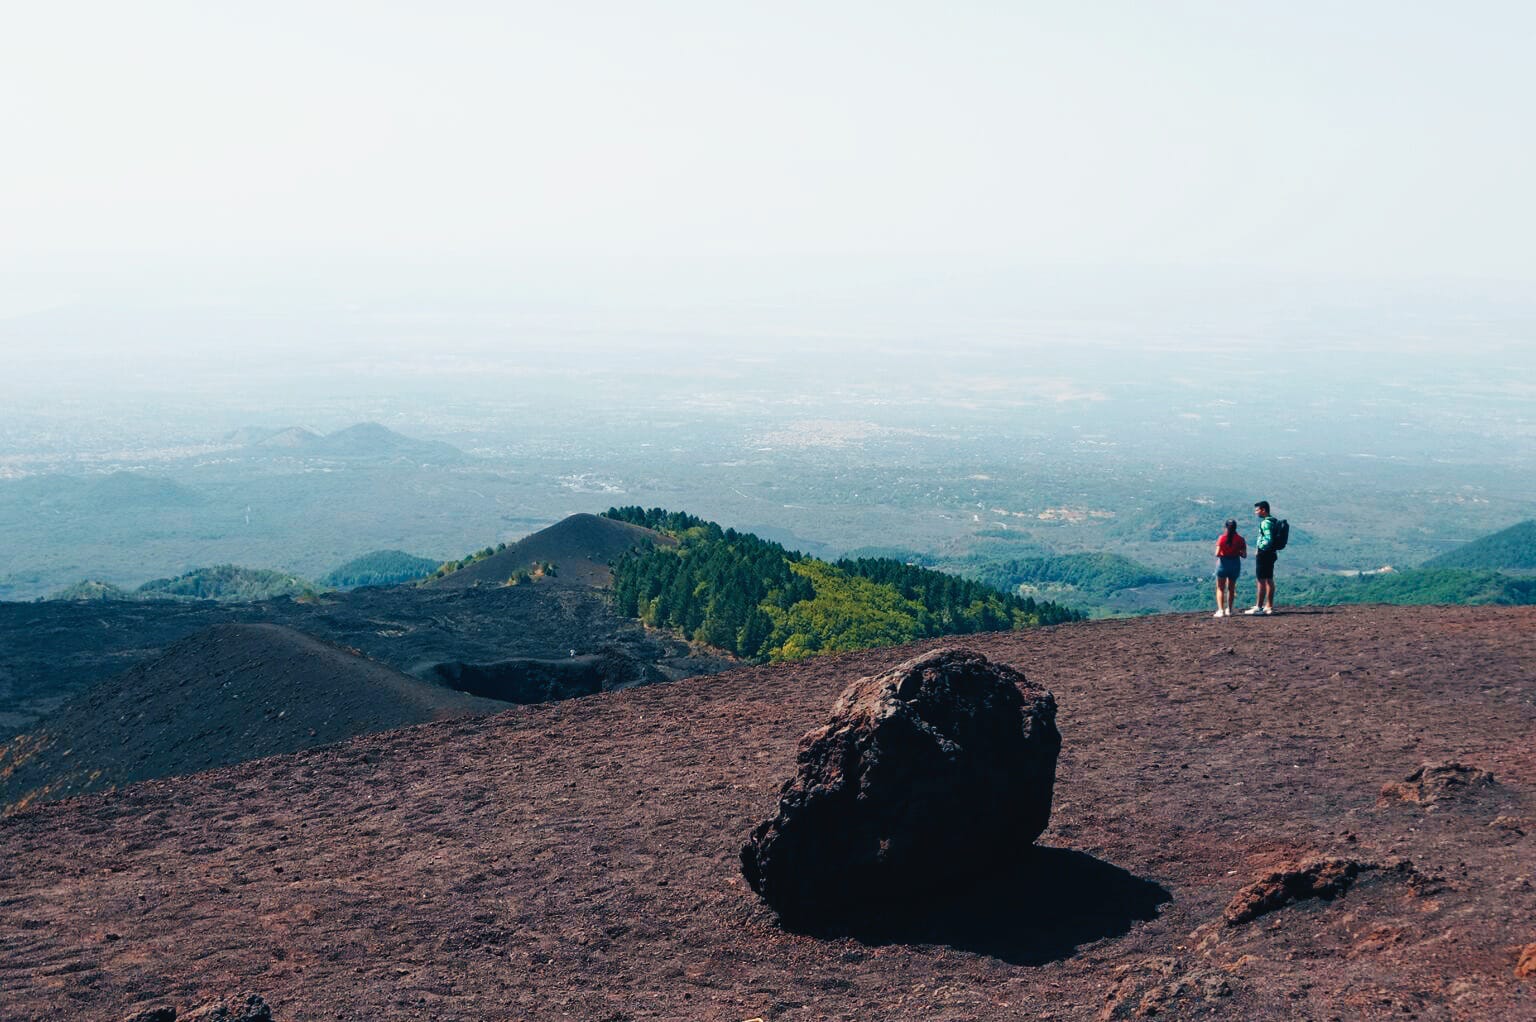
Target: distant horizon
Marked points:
862	269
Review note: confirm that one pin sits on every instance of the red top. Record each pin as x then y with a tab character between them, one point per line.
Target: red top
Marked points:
1231	546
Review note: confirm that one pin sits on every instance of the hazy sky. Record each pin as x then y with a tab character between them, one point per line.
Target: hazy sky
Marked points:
187	152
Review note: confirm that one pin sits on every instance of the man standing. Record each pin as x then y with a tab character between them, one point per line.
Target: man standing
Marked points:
1264	562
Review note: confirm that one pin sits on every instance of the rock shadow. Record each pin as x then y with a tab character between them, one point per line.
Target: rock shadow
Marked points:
1037	910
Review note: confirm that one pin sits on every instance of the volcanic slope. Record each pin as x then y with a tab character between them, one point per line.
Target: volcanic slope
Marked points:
580	547
227	694
579	860
1511	548
53	651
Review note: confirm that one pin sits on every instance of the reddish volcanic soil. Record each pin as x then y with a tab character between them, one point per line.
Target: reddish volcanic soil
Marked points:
578	860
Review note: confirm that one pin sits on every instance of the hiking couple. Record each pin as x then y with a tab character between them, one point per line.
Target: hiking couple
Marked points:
1231	548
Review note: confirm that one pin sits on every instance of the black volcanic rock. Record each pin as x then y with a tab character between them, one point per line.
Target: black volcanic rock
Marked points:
53	651
249	1008
546	680
925	776
164	1013
230	693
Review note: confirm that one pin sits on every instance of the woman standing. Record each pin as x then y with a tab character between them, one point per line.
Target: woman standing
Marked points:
1230	551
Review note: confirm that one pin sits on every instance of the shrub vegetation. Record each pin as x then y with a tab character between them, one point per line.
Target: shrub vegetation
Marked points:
761	602
1511	548
225	582
380	568
1096	575
449	567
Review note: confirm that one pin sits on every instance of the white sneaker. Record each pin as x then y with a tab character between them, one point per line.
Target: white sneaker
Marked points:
1254	610
1227	612
1219	613
1269	610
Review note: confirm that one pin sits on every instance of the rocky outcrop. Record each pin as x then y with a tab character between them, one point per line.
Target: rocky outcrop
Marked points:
923	778
1292	882
247	1008
164	1013
532	680
1434	782
1156	986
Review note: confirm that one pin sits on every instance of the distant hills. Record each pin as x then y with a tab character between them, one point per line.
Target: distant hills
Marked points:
258	496
1410	587
1094	575
292	438
224	695
88	590
225	582
1490	570
119	491
365	440
1196	519
379	568
1511	549
1417	586
228	582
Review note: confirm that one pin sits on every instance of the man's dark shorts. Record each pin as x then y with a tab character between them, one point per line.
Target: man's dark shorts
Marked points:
1264	565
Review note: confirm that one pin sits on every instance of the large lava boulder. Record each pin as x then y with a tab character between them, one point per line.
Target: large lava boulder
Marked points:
925	777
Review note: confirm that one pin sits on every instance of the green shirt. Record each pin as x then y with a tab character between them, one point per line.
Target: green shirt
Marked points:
1265	524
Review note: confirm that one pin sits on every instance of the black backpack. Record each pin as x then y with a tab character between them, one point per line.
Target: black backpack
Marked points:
1279	533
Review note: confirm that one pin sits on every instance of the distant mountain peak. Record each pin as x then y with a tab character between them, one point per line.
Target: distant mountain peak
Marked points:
368	429
293	436
360	440
372	440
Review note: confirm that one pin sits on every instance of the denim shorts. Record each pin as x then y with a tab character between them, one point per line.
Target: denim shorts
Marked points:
1229	567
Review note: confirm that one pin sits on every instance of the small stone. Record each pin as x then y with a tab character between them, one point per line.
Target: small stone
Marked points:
1214	986
1525	964
249	1008
162	1013
1516	825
